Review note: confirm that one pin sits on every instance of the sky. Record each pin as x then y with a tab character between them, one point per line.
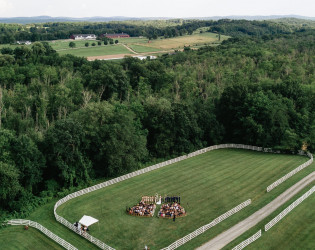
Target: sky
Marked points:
156	8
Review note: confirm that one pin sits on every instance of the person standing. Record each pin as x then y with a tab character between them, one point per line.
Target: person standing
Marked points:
174	217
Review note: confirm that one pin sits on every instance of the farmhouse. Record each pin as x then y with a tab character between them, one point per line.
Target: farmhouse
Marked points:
115	35
24	42
83	36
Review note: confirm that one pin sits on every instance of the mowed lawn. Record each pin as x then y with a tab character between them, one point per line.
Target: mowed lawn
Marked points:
209	185
142	49
295	231
96	51
64	44
16	237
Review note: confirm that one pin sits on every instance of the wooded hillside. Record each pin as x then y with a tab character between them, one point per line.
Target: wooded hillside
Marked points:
66	121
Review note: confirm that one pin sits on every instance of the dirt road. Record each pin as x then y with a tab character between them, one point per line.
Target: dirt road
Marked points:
231	234
128	48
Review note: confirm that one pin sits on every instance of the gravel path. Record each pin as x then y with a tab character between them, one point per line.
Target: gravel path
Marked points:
128	48
231	234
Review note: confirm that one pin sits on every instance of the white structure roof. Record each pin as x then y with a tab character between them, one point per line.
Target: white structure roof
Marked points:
87	220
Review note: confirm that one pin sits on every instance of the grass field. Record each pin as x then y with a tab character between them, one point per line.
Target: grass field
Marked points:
16	237
295	231
142	49
133	40
195	40
96	51
64	44
209	185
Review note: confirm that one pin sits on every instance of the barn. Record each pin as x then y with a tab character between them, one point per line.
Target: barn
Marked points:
83	36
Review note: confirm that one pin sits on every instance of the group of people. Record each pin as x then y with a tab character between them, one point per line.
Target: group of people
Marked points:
81	228
142	209
168	199
171	210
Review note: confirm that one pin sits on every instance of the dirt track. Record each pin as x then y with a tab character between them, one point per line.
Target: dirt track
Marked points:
231	234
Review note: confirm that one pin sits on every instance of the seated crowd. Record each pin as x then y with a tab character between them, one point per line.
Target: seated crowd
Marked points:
171	209
142	209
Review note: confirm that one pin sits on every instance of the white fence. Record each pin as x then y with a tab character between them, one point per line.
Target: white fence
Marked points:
293	172
204	228
101	244
248	241
275	220
44	230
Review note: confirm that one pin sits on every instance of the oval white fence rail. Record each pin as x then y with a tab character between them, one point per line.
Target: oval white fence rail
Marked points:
44	230
293	172
248	241
101	244
275	220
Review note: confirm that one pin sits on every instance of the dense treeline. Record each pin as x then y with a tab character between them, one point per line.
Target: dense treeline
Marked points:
238	28
66	121
10	33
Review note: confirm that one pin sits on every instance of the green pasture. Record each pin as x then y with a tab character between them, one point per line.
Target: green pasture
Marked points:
295	231
209	185
133	40
142	49
138	44
16	237
198	39
64	44
96	51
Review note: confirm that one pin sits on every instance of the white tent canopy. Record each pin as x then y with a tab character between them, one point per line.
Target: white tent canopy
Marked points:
87	220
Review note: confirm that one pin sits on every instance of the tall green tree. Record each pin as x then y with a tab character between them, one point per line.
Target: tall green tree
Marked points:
114	139
9	183
64	153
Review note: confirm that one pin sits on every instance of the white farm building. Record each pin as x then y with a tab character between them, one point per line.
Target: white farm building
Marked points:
83	37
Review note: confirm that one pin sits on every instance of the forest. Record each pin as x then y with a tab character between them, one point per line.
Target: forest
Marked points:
66	122
10	33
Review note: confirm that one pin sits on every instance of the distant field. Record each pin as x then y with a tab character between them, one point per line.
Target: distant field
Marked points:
139	45
16	237
142	49
209	184
188	40
64	44
133	40
96	51
295	231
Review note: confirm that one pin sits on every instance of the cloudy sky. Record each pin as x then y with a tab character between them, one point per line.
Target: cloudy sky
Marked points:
156	8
